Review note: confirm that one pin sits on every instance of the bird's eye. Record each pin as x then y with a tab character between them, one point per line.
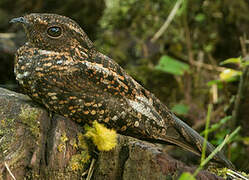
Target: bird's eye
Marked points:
54	31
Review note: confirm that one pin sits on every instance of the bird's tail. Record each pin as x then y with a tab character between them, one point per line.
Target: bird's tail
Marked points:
192	141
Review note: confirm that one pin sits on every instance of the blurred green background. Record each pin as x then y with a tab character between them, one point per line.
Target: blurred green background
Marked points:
181	67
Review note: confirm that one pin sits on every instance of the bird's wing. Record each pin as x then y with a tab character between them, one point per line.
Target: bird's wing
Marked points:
106	76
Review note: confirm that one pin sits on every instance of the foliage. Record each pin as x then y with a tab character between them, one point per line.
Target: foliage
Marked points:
172	66
186	176
181	109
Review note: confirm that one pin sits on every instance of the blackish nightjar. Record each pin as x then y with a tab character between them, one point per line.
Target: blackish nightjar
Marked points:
60	68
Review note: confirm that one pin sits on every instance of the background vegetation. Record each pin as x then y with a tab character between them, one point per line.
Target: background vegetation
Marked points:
182	67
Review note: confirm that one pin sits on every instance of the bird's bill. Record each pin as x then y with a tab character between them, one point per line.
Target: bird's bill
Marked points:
21	20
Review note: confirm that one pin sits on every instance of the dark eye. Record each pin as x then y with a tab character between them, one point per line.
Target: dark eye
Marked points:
54	31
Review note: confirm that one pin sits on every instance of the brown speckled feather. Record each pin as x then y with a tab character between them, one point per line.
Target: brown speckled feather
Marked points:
59	68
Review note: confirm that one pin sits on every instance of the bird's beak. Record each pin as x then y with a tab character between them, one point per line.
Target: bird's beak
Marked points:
21	20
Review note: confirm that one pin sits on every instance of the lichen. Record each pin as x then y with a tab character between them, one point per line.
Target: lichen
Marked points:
73	143
63	139
29	117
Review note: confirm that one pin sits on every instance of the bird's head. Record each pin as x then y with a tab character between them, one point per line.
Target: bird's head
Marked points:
53	32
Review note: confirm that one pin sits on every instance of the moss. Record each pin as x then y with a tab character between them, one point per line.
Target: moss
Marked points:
29	117
6	134
81	141
223	172
219	171
9	140
5	126
79	161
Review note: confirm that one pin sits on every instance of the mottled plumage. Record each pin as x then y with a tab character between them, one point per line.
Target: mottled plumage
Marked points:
60	68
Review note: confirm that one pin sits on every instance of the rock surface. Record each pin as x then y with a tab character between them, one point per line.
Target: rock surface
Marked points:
36	145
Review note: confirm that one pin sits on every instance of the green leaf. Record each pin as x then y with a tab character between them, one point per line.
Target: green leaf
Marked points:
200	17
216	81
229	74
209	47
245	140
246	63
186	176
232	61
172	66
181	109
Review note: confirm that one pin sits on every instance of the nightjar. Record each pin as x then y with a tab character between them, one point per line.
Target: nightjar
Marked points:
60	68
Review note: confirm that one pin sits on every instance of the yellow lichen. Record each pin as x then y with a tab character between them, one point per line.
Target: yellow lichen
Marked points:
64	137
3	123
105	139
62	146
73	143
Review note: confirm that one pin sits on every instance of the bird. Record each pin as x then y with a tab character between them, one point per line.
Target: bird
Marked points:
60	68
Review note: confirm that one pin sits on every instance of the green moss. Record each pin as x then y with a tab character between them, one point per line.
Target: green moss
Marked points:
223	172
6	133
81	141
29	117
79	161
8	137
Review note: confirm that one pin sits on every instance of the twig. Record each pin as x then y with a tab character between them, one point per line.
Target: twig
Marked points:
200	59
211	59
236	175
243	46
167	22
208	66
7	167
215	93
199	64
90	172
188	81
203	153
188	41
